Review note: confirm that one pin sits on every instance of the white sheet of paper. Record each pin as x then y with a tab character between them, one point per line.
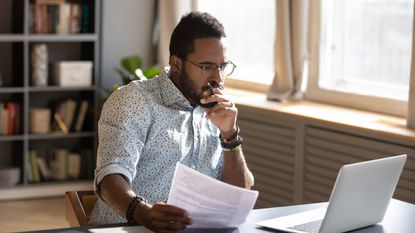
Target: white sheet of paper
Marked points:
210	202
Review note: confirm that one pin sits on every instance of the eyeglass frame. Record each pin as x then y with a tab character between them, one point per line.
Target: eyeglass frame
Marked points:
210	67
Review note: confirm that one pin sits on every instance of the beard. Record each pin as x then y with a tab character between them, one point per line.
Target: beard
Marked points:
189	90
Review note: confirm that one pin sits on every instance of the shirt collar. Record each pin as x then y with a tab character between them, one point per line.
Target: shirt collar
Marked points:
170	93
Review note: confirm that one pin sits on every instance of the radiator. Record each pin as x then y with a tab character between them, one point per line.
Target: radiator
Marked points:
297	161
327	150
269	152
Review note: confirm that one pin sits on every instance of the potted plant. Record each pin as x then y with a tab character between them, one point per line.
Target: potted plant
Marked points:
132	69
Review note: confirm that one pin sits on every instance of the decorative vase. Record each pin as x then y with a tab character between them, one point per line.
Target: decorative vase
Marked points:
39	58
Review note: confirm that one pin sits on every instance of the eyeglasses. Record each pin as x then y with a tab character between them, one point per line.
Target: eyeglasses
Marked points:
226	68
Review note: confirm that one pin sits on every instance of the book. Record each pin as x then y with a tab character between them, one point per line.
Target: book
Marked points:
68	113
75	19
18	121
56	16
43	168
11	117
3	119
85	23
64	116
33	165
58	164
64	17
74	165
28	169
60	124
83	108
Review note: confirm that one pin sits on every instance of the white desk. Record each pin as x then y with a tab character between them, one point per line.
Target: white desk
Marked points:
400	217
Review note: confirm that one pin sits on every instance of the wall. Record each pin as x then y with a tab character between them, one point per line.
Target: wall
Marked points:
126	30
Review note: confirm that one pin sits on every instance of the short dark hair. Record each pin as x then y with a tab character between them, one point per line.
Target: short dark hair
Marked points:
194	25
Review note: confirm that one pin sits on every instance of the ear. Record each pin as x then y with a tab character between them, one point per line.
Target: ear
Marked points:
175	64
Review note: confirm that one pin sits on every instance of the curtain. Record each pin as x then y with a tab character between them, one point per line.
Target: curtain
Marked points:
169	14
410	119
291	49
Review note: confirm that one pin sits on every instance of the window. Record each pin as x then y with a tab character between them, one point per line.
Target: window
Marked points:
250	29
364	54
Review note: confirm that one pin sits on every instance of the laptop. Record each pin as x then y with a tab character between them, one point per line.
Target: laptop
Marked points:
360	197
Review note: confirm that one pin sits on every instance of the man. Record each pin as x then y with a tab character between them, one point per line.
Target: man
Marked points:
181	115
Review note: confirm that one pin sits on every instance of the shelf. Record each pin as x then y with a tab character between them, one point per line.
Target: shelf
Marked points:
62	38
59	89
12	37
46	189
10	138
61	135
48	37
21	64
8	90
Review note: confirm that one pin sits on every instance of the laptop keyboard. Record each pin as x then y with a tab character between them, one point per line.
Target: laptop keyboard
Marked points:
310	227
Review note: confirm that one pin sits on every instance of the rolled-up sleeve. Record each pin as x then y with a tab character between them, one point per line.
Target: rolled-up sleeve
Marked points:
122	130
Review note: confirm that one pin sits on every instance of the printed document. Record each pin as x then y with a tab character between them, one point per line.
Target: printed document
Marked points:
210	203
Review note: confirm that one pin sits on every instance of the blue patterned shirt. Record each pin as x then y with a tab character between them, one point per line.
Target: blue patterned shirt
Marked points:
145	128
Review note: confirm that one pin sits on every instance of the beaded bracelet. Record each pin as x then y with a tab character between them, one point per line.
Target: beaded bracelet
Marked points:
131	207
225	140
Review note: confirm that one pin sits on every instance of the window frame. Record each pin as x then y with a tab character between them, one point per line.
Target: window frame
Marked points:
238	82
315	93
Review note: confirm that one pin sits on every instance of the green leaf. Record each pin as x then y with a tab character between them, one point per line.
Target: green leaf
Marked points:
125	77
151	71
132	63
130	67
116	86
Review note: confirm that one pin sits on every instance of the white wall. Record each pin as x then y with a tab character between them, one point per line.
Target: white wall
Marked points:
126	29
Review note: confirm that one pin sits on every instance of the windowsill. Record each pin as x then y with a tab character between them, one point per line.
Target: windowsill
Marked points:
371	122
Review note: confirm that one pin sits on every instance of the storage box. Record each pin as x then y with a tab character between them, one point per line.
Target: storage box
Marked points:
72	73
9	176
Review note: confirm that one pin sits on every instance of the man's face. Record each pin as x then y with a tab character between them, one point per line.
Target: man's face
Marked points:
193	82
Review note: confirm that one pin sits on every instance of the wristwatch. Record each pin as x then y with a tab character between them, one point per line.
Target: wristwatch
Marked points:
233	143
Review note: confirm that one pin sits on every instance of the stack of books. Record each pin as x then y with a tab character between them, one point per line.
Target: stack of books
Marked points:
59	16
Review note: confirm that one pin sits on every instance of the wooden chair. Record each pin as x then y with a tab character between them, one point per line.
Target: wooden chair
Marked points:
78	207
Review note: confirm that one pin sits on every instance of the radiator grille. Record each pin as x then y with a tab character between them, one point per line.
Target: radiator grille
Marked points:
269	151
327	150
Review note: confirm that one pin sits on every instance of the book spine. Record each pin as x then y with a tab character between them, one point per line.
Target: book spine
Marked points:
83	109
58	164
11	118
33	165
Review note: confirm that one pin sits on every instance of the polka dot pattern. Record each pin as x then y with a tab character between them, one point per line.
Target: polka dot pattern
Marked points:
145	128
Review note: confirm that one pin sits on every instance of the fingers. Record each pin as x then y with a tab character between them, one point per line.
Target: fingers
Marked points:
223	105
169	213
222	108
167	218
213	95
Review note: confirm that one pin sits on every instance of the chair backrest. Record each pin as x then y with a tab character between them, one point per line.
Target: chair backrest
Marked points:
78	207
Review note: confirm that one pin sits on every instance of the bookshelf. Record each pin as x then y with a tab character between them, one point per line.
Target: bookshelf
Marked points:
19	33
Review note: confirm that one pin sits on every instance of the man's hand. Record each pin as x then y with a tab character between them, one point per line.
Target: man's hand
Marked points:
162	217
223	114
